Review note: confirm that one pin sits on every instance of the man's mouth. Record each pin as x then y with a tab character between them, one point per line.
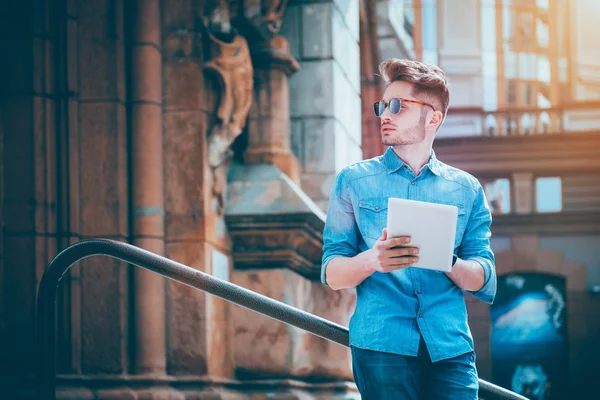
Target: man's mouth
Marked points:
387	128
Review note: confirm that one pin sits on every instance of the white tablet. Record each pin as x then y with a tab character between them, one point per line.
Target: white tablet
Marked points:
431	226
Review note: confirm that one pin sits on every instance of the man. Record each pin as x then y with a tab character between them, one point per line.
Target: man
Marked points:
409	335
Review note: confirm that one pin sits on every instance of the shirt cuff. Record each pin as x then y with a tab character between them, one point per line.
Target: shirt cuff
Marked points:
324	264
487	293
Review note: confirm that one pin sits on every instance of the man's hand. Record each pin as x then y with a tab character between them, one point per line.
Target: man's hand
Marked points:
386	256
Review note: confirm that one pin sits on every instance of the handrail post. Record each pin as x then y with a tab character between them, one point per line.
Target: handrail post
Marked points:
45	323
46	317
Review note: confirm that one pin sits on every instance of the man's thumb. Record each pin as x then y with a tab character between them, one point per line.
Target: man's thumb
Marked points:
383	234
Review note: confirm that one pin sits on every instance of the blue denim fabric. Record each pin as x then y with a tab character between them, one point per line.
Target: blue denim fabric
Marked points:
394	309
382	376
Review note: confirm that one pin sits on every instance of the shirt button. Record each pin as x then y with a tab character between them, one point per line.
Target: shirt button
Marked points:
377	208
418	291
412	183
420	315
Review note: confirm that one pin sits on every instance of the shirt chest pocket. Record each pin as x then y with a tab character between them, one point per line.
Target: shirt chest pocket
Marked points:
372	216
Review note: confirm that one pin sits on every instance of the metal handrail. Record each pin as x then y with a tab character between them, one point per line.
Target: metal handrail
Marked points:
46	304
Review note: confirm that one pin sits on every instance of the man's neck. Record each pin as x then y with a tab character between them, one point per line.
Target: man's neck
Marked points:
415	156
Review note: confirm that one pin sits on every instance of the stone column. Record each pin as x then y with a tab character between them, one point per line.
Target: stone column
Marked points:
269	127
148	201
91	183
23	102
185	112
1	213
325	94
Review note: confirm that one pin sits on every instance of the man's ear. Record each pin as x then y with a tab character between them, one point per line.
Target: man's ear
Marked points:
436	119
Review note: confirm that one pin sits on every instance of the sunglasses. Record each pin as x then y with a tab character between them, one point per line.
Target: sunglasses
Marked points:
395	105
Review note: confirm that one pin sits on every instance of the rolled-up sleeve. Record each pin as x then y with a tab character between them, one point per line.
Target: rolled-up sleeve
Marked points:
476	246
340	236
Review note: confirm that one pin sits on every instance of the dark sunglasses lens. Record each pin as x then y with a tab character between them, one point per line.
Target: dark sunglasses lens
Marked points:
379	107
395	106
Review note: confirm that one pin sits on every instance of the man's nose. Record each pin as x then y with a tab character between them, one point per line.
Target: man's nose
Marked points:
386	115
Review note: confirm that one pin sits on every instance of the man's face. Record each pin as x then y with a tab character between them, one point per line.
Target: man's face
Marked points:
409	125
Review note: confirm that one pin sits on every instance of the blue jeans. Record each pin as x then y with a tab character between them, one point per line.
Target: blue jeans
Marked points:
387	376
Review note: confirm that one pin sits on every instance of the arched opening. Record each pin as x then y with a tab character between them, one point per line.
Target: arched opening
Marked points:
529	334
544	123
526	124
491	125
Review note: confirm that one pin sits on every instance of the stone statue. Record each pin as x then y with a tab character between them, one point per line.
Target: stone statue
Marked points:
231	63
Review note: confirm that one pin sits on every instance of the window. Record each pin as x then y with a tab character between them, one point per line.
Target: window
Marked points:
511	92
543	34
497	193
528	92
548	192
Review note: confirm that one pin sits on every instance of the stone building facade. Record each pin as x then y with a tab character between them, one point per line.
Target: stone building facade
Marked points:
198	130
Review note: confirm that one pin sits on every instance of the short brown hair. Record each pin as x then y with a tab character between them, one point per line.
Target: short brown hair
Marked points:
429	81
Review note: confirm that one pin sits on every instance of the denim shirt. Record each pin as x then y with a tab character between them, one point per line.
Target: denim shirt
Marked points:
394	309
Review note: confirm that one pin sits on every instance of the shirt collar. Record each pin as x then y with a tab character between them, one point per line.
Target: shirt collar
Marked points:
434	164
393	163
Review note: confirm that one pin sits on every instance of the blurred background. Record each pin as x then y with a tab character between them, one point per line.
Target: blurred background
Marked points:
210	132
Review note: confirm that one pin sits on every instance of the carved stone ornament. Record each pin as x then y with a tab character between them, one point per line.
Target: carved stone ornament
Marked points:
179	43
231	63
273	13
233	66
264	17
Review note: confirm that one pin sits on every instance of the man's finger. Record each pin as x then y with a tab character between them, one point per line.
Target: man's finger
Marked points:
400	261
399	241
396	267
402	251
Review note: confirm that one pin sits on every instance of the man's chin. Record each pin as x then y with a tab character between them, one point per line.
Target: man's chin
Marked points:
395	142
